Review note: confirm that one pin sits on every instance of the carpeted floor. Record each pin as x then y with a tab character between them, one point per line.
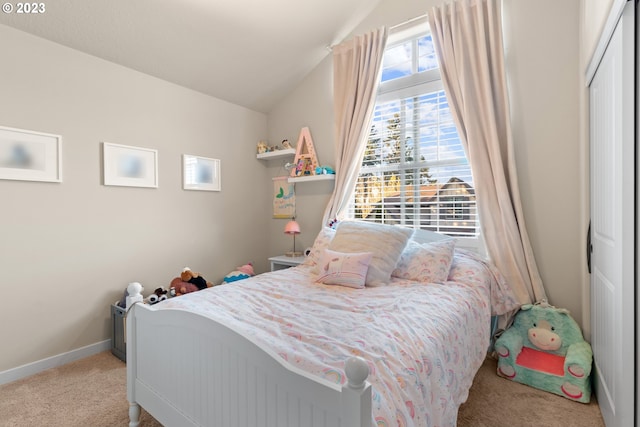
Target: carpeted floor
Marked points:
91	392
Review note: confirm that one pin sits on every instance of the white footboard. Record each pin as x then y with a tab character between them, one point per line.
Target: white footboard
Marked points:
188	370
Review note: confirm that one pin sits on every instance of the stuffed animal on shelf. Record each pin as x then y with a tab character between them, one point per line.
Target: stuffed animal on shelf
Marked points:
544	348
194	278
325	170
242	272
262	147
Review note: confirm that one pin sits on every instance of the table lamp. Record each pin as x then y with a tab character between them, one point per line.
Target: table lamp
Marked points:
292	228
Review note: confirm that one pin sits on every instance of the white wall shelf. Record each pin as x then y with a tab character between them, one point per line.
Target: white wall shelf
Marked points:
277	154
323	177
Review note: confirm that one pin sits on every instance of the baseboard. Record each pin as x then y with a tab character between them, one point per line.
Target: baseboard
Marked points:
29	369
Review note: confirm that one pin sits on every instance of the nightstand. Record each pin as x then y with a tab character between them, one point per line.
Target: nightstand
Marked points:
281	262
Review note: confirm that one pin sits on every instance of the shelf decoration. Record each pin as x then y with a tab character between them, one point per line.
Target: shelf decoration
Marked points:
284	198
305	160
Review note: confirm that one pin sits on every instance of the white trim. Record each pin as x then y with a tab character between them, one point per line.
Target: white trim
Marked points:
29	369
614	16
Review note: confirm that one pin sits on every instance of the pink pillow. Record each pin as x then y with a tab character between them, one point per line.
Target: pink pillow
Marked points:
427	262
344	269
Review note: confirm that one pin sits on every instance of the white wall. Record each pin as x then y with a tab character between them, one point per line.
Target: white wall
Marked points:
542	63
309	105
542	40
594	14
68	250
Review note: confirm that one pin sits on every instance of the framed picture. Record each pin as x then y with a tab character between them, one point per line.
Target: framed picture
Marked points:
129	166
30	156
284	198
200	173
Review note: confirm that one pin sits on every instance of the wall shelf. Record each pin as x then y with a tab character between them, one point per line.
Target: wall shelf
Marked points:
323	177
277	154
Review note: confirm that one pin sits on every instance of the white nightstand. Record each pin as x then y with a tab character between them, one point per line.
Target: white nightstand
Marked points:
281	262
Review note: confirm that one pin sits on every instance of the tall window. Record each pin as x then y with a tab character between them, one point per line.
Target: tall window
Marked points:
414	171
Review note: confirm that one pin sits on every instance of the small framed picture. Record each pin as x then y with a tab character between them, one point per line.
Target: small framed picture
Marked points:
129	166
30	156
200	173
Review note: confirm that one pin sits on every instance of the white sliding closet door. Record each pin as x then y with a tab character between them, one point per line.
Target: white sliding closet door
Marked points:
613	224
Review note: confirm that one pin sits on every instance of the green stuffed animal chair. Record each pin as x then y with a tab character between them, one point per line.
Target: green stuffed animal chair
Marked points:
544	348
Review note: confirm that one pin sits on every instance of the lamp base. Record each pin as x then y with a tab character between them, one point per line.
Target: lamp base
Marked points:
293	254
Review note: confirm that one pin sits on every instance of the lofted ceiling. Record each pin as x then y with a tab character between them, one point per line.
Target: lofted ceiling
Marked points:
247	52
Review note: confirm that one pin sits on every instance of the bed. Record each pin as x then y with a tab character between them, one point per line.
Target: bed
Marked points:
316	345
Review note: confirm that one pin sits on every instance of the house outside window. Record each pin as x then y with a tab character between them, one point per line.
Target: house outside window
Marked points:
414	171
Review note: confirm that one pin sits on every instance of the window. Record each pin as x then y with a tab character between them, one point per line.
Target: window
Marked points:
414	170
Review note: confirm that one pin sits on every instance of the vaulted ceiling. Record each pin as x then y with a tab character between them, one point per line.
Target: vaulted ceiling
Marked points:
248	52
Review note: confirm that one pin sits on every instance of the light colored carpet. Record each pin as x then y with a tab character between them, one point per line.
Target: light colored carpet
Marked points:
91	393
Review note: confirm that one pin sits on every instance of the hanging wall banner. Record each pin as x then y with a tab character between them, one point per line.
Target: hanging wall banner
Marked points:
284	198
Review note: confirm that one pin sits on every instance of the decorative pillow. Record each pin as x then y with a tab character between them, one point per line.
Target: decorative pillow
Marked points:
321	243
337	268
427	262
385	242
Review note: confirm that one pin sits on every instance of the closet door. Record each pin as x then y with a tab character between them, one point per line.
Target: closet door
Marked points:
613	225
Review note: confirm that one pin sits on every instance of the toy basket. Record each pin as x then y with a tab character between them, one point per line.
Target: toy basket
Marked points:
118	345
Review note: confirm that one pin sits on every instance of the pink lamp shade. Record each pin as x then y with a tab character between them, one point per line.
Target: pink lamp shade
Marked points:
292	228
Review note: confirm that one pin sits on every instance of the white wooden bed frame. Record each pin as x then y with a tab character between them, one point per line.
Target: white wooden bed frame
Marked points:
188	370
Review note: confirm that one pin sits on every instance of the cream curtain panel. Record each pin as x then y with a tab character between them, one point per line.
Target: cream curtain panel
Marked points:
467	35
356	73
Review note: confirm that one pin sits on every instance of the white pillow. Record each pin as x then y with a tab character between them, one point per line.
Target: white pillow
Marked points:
426	236
429	262
321	243
385	242
337	268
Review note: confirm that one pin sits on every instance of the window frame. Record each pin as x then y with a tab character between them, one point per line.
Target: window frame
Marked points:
416	85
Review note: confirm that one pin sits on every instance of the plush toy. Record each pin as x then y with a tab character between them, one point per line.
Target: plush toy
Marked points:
159	294
188	282
242	272
544	348
194	278
325	170
178	287
262	147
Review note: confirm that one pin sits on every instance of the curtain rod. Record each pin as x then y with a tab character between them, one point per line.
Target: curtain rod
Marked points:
408	21
393	28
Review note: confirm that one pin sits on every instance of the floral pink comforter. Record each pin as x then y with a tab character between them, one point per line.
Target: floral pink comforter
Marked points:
424	342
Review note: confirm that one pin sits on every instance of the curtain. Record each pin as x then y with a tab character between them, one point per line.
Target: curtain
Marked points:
356	73
467	36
